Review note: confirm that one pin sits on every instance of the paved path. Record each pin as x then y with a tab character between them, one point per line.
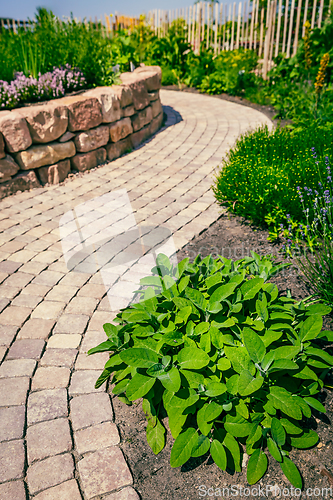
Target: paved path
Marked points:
57	436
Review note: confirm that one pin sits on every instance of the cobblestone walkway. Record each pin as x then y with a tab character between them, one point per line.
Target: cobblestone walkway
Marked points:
57	436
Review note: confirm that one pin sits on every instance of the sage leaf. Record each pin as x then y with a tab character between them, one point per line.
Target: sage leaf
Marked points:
256	466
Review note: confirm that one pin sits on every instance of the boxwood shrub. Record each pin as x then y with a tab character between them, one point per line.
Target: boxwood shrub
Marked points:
218	355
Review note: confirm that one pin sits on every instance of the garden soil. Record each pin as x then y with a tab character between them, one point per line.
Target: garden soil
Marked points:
155	479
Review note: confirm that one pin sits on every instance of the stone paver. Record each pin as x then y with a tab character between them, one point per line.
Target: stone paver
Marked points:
12	458
50	472
51	377
59	357
12	422
36	328
65	491
12	490
26	349
17	368
97	437
90	409
48	438
83	382
52	313
104	471
127	493
46	405
13	391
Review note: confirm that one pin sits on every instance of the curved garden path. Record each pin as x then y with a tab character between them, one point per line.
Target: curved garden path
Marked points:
57	436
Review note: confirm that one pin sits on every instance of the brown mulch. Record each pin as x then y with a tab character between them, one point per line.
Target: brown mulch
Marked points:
154	478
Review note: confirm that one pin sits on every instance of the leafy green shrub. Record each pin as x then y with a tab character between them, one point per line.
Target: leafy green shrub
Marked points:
260	176
232	73
233	365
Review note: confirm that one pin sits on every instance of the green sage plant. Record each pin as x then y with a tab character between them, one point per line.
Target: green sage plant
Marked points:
221	358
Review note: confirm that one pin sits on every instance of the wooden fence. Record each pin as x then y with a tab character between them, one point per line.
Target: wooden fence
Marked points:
269	31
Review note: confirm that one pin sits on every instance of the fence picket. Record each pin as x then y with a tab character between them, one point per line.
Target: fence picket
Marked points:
290	27
233	26
238	24
278	29
216	27
314	11
321	9
261	31
305	16
256	26
252	22
208	18
299	7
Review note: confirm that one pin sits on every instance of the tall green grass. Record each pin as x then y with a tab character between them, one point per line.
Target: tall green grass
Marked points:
260	176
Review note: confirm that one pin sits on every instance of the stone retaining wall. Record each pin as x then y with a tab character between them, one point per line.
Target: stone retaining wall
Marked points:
41	144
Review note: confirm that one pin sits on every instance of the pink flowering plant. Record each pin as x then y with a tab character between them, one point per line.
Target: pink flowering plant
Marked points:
50	85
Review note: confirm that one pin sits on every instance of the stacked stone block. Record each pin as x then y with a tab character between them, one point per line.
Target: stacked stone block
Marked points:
41	144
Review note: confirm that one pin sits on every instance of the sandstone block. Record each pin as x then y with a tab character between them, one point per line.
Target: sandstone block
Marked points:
86	161
110	102
156	107
156	124
8	167
154	95
140	136
138	89
84	113
23	181
55	173
92	139
46	123
120	129
123	93
151	75
128	111
15	130
142	118
66	137
2	147
39	156
119	148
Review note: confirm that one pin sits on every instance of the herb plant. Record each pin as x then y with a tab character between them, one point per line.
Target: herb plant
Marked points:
213	350
310	244
260	176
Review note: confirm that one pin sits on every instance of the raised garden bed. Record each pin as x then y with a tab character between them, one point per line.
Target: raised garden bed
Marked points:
41	144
